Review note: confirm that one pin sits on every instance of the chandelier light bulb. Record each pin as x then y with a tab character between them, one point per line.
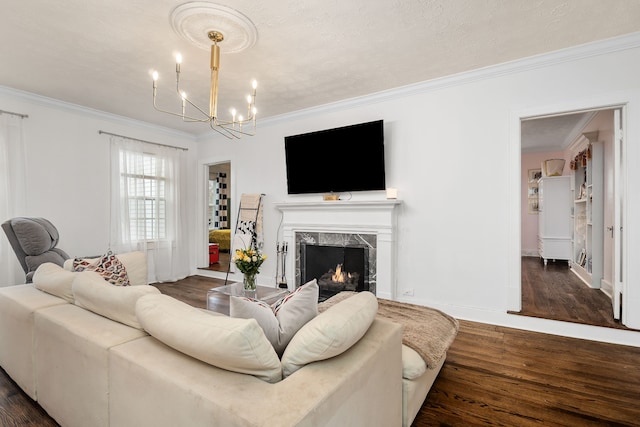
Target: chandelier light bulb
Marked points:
178	58
154	76
240	118
249	99
183	94
254	84
254	111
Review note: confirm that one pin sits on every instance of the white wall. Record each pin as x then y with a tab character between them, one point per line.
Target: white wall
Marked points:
68	166
453	152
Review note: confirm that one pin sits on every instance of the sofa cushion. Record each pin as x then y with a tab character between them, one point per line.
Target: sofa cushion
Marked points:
54	280
330	333
134	262
281	320
117	303
413	365
237	345
108	266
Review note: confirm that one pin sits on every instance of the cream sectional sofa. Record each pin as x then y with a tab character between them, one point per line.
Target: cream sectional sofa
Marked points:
87	358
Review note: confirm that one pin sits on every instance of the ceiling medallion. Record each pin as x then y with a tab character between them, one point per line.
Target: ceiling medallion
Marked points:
193	21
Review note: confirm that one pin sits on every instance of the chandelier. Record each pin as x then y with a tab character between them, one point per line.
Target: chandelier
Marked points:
238	125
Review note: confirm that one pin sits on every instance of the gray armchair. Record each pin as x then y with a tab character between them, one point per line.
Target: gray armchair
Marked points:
34	241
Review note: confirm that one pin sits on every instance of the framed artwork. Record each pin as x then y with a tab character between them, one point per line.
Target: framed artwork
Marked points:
535	175
532	190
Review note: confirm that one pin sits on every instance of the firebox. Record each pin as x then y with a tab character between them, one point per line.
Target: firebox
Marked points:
336	268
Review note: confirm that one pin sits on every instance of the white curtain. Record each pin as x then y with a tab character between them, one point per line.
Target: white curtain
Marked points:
12	192
148	210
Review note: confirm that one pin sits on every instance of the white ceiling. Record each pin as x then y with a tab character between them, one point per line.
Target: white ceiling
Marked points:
99	53
552	133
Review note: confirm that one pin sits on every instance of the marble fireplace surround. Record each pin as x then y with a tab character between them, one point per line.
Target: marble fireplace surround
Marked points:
377	218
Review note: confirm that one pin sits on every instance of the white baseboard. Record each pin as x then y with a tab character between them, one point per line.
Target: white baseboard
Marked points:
607	288
529	252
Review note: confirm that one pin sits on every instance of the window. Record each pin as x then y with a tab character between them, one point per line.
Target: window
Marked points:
143	183
149	202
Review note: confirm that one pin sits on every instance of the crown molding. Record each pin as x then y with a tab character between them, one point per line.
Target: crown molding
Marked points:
90	112
575	53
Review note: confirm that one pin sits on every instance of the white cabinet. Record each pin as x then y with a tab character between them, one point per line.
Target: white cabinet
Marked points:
554	218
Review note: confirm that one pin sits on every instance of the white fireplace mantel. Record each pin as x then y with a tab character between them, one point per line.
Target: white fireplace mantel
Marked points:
364	217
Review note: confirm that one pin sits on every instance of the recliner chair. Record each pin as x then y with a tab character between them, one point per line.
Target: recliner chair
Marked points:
34	241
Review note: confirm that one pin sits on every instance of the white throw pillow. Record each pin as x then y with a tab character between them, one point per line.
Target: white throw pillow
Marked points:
54	280
284	318
237	345
117	303
413	364
330	333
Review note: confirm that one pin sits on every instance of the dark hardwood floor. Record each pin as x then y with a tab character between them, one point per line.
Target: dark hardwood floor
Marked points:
17	409
499	376
557	293
221	265
493	376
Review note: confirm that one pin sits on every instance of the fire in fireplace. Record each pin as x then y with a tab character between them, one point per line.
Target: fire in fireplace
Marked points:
336	268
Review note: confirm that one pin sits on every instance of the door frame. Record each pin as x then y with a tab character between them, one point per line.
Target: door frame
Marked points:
514	290
202	229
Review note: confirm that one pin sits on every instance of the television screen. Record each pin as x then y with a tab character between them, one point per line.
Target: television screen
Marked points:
344	159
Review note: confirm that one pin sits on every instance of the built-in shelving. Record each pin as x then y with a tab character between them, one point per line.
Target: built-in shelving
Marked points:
588	212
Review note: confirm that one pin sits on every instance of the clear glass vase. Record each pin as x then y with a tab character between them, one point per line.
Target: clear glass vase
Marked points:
249	283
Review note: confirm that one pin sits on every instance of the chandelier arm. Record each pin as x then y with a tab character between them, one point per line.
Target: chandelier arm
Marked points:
190	119
237	131
223	131
184	98
181	115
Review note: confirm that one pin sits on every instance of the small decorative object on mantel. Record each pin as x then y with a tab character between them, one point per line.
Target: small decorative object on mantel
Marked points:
248	262
331	197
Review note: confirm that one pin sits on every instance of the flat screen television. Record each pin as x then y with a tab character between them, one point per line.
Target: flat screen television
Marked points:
344	159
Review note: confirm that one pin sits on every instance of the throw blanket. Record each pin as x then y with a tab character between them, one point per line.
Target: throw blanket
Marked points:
251	216
428	331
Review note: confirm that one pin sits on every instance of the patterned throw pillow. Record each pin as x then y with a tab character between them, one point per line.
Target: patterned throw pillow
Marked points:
284	318
108	266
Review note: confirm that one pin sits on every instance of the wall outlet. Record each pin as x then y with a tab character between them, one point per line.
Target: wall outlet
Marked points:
408	292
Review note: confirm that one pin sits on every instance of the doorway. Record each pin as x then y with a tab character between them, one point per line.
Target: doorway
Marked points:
218	216
566	290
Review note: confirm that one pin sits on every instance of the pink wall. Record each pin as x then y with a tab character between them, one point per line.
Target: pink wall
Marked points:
529	223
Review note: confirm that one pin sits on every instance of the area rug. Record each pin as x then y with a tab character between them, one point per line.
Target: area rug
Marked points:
426	330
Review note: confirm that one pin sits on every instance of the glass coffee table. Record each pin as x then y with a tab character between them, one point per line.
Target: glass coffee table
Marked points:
218	298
